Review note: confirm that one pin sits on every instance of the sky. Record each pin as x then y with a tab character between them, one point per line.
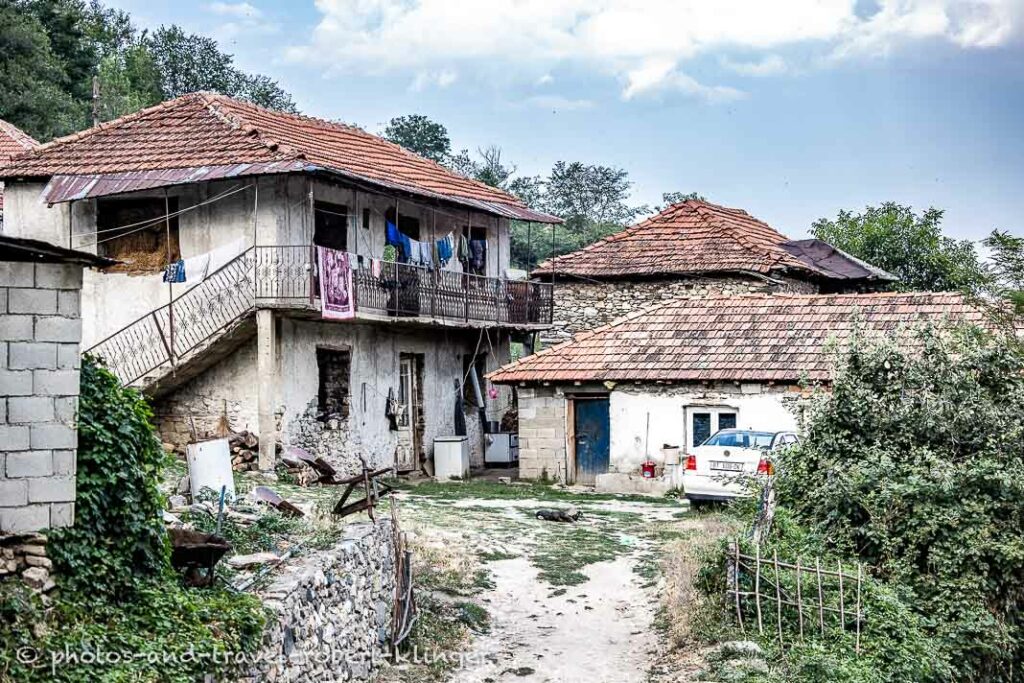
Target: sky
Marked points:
790	109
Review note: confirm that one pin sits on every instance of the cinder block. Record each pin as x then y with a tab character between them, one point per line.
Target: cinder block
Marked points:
61	515
16	274
51	489
29	409
39	301
16	327
65	409
69	303
58	276
64	462
55	382
24	519
68	357
29	464
3	300
32	356
13	492
58	329
54	436
15	382
13	438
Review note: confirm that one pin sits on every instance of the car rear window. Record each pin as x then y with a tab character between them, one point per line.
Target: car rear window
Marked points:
741	439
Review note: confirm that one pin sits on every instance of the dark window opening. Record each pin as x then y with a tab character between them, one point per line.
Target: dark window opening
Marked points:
479	363
727	420
701	428
366	219
477	238
335	367
135	232
408	225
330	225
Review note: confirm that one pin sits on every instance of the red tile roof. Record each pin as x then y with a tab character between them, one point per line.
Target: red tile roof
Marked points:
204	129
745	338
13	141
692	237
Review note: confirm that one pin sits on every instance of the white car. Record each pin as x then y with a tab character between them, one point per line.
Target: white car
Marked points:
719	468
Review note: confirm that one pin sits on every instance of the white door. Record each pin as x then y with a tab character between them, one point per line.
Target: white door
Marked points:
703	421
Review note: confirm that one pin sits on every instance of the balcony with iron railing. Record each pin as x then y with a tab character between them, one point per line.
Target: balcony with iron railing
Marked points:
285	278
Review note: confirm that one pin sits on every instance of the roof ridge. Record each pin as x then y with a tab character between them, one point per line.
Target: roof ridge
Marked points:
356	130
17	135
213	102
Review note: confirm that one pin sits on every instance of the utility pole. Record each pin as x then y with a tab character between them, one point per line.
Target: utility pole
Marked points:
95	101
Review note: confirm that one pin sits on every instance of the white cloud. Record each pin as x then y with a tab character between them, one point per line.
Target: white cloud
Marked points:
239	10
769	65
441	79
558	103
645	44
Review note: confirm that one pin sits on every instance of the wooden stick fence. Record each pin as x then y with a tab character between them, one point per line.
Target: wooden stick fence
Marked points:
771	580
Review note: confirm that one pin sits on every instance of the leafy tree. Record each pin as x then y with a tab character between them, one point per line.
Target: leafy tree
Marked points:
420	135
590	198
1006	268
31	76
670	198
910	246
913	463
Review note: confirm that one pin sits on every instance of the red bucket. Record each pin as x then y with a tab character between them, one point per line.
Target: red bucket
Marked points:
647	469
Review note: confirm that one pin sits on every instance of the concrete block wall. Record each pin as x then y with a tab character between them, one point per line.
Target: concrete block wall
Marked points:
40	331
542	433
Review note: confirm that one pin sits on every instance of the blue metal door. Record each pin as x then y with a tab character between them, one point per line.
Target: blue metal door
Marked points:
592	438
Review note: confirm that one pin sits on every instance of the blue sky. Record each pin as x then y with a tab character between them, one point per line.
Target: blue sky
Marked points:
791	110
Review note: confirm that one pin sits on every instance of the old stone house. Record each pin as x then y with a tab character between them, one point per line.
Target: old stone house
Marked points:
692	248
244	204
681	370
40	331
13	141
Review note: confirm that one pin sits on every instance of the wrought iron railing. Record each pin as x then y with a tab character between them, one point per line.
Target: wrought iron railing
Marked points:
287	276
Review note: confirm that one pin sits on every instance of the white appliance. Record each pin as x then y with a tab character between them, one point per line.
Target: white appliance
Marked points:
451	458
209	467
502	449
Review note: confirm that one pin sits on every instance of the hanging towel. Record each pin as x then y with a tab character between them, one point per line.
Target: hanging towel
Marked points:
226	253
336	299
196	267
375	267
444	250
427	254
463	249
175	272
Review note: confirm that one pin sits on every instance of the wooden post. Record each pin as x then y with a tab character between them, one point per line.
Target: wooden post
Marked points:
778	595
842	606
170	285
736	583
799	600
757	587
312	249
821	596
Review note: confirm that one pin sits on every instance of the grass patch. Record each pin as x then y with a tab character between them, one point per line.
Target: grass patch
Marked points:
562	555
452	491
496	555
474	616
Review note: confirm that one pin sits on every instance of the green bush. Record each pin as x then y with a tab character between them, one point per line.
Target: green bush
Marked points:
914	465
118	540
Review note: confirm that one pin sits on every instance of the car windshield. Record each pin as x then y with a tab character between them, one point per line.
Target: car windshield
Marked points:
741	439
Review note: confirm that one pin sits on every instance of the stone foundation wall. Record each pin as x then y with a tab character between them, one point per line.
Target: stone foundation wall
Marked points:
331	610
583	305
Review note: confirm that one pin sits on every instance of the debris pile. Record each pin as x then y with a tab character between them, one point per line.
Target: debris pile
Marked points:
25	555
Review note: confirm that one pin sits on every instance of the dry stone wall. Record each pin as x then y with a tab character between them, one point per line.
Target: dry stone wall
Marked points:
584	305
331	612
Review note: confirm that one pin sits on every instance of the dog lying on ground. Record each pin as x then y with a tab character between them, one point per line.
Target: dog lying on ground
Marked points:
570	514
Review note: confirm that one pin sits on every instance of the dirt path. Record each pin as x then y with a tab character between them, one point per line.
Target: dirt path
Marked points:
565	603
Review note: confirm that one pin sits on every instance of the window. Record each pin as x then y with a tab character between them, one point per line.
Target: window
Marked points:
727	420
330	225
741	439
366	219
703	421
335	367
480	364
406	224
701	427
136	232
477	238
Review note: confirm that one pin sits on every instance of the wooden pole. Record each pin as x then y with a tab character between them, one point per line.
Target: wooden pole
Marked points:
170	285
736	583
799	600
778	596
821	596
842	606
857	616
757	588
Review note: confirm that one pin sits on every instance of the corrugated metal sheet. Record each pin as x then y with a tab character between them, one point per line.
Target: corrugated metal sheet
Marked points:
68	188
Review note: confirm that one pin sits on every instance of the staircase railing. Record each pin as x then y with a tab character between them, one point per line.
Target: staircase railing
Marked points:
285	276
168	333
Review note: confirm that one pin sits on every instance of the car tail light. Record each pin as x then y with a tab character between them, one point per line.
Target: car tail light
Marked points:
691	462
764	466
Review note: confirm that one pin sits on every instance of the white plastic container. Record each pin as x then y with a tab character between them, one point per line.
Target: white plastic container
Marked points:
451	458
209	466
670	455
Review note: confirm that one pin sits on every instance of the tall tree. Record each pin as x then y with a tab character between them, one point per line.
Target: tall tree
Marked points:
420	135
32	95
910	246
592	199
1006	268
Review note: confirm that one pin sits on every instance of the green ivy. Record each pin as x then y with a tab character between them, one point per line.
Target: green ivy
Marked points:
118	539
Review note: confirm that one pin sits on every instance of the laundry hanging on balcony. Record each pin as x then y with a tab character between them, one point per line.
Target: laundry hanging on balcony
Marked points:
196	268
336	295
402	242
445	246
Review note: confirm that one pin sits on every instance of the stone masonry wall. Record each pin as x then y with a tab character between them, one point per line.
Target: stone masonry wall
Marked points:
581	305
541	434
331	611
40	331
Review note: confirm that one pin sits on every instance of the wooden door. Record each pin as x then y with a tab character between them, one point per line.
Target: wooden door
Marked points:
592	438
410	440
